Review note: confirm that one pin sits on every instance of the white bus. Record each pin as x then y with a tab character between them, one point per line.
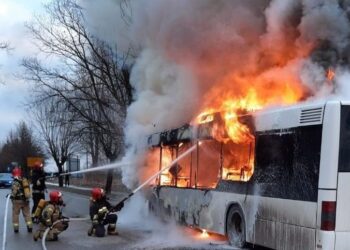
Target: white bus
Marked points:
289	188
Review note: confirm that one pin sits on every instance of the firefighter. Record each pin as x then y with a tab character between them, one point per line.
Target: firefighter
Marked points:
102	213
20	196
38	185
50	214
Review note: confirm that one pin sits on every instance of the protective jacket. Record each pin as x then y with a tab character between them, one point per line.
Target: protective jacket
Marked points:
95	206
17	190
20	203
38	180
50	214
100	215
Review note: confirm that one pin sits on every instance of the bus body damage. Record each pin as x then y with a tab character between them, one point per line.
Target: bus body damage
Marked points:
274	180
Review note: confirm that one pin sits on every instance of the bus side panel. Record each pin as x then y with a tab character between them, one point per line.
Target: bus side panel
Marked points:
294	223
194	207
203	209
330	146
269	221
291	237
342	240
265	233
343	203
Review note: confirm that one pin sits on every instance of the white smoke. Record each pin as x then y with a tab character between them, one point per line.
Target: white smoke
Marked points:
190	49
159	235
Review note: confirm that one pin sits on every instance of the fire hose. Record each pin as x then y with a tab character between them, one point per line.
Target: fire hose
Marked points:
5	222
127	197
51	227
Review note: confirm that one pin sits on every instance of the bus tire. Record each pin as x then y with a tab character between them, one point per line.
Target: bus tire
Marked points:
235	227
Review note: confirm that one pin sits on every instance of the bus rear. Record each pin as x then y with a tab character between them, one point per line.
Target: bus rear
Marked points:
333	220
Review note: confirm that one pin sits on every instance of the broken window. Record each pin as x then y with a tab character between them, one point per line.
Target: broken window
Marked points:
237	161
208	168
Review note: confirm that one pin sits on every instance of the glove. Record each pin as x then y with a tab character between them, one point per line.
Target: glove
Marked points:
36	220
102	211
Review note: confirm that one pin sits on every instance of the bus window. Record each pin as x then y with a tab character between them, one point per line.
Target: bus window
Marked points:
182	178
208	167
344	145
238	161
167	156
151	165
287	163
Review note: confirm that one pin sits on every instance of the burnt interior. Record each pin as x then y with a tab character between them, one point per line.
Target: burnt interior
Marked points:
209	163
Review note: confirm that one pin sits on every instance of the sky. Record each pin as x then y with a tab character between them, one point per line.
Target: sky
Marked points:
14	91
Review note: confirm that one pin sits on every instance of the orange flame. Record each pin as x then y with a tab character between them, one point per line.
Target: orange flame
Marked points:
232	107
330	74
204	234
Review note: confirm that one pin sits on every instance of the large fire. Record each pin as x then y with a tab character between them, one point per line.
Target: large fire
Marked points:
228	122
231	108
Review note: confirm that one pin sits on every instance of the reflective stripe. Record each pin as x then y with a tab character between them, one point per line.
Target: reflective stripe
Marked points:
37	191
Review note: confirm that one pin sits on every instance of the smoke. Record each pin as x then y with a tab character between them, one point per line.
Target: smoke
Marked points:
193	54
136	218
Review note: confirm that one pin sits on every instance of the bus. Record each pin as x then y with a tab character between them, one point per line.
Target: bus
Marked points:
288	188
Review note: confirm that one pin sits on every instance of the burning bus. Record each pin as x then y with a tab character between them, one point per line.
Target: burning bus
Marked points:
277	177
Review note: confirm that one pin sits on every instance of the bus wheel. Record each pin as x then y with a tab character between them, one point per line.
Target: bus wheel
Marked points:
235	227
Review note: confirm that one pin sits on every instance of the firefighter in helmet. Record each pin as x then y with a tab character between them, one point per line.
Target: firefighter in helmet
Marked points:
102	213
20	196
38	185
51	217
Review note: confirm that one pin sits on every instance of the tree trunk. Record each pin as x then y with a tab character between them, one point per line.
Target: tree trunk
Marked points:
109	181
60	177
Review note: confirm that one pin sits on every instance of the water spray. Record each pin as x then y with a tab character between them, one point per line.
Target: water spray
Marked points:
5	222
106	167
159	172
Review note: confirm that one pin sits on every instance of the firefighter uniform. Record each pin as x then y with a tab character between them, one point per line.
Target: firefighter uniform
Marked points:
38	187
100	214
49	217
20	203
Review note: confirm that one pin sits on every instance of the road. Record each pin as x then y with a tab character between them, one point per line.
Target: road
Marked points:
137	230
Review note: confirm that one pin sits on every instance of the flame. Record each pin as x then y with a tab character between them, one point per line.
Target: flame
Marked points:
330	74
204	234
165	177
232	107
233	126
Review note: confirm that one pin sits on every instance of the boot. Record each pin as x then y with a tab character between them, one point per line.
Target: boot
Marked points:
91	231
111	230
29	229
53	238
15	227
36	235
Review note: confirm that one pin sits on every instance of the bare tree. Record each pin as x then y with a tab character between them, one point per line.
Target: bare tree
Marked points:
90	76
54	123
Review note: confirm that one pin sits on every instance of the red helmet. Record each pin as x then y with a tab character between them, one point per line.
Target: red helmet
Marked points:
16	172
38	165
55	197
97	193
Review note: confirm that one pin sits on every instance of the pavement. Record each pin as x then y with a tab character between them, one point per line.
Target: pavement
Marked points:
137	228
